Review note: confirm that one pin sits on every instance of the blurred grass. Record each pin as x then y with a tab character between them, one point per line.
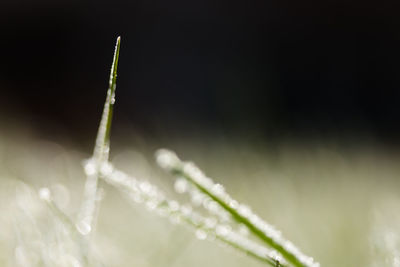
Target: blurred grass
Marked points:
337	203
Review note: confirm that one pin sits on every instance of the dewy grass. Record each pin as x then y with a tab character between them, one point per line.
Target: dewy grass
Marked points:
100	153
225	220
240	213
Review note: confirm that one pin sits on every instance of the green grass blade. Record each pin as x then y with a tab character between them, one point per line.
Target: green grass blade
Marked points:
101	151
102	146
241	214
152	196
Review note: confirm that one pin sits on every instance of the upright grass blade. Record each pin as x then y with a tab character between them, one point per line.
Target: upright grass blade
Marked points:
100	153
240	213
102	146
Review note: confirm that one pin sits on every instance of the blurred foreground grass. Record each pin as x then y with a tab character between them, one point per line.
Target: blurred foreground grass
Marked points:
338	204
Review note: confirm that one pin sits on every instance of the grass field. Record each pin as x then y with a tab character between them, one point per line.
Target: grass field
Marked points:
61	206
338	203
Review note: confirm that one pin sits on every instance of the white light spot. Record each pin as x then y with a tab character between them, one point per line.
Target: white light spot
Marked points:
106	169
83	227
210	222
90	167
44	194
222	230
201	234
181	185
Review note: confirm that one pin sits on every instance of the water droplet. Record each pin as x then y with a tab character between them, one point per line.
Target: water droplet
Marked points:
210	222
83	227
244	210
233	204
186	209
218	189
44	194
201	234
90	167
145	187
222	230
181	185
106	168
212	206
166	159
197	198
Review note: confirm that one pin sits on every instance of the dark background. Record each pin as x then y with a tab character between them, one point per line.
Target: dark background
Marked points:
277	68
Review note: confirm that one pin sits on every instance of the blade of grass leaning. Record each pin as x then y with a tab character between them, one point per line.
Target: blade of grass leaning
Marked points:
154	199
240	213
100	153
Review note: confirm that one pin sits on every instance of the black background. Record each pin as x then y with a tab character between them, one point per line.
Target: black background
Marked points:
278	68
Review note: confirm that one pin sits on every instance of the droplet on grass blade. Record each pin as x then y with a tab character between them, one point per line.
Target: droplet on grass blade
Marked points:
181	185
210	223
44	194
90	167
84	227
201	234
223	230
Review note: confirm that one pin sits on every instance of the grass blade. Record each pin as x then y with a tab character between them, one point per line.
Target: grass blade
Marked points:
154	199
240	213
100	154
102	146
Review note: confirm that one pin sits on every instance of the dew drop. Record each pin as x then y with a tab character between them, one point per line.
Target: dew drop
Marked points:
106	169
222	230
210	222
218	189
201	234
44	194
212	206
145	187
244	210
83	227
186	210
166	159
233	204
197	198
181	185
90	167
